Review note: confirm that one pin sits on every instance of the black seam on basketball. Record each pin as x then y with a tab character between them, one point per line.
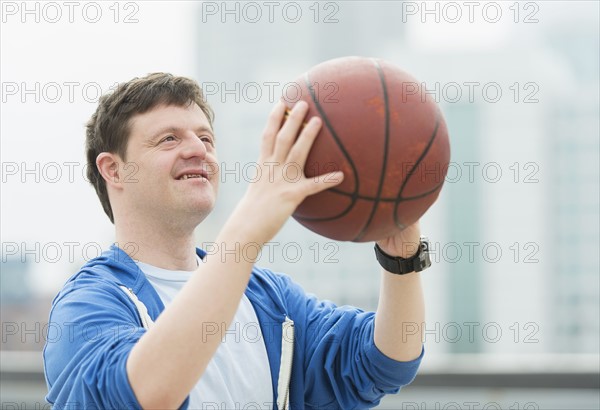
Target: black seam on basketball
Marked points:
367	198
424	194
372	198
386	139
412	170
338	142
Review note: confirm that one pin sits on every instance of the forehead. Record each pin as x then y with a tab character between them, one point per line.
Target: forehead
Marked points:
187	117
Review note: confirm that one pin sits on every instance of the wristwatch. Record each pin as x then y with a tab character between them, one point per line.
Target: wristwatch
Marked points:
401	266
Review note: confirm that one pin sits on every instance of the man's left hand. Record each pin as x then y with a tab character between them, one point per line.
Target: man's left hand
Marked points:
405	244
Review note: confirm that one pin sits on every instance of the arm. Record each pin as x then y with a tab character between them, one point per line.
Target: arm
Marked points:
401	304
336	362
92	327
176	350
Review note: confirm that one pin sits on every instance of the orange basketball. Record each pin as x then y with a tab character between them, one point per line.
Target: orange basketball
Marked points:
387	136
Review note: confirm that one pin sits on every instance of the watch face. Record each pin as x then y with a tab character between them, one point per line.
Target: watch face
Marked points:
424	256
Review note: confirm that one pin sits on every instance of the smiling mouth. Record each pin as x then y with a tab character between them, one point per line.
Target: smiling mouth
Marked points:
191	176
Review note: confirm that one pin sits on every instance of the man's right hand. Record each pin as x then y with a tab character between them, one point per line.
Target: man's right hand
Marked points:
282	185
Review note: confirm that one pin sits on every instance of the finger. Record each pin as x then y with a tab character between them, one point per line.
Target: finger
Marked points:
289	131
270	132
322	182
301	148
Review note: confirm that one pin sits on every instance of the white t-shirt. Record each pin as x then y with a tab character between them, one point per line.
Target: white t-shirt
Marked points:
238	376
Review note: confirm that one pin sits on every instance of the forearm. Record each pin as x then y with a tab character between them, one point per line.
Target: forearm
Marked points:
170	358
400	316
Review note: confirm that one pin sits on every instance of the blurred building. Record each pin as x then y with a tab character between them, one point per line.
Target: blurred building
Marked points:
14	288
572	125
23	314
544	224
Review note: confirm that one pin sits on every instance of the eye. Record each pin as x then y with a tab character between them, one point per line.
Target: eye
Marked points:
206	138
168	138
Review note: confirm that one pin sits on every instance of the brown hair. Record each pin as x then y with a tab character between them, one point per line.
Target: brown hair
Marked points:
108	129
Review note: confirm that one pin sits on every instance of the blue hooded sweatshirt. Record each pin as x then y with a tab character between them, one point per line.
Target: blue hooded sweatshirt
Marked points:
94	325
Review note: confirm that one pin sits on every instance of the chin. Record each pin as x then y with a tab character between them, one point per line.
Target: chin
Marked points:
201	207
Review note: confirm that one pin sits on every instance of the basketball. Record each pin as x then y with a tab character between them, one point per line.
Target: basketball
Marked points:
388	137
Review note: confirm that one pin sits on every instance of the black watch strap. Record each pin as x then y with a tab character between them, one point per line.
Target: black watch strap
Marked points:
401	266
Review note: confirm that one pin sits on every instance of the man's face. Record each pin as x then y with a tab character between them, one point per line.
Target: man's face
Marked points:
171	165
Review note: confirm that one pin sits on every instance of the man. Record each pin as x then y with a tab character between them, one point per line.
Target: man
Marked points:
149	332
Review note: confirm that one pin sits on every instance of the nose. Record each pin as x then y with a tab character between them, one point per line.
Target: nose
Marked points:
193	147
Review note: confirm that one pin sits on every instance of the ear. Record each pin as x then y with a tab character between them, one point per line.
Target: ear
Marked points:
108	166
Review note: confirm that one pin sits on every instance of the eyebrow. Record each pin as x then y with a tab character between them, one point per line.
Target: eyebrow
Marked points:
200	130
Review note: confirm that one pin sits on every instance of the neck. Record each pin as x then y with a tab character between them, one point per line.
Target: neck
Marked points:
157	243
